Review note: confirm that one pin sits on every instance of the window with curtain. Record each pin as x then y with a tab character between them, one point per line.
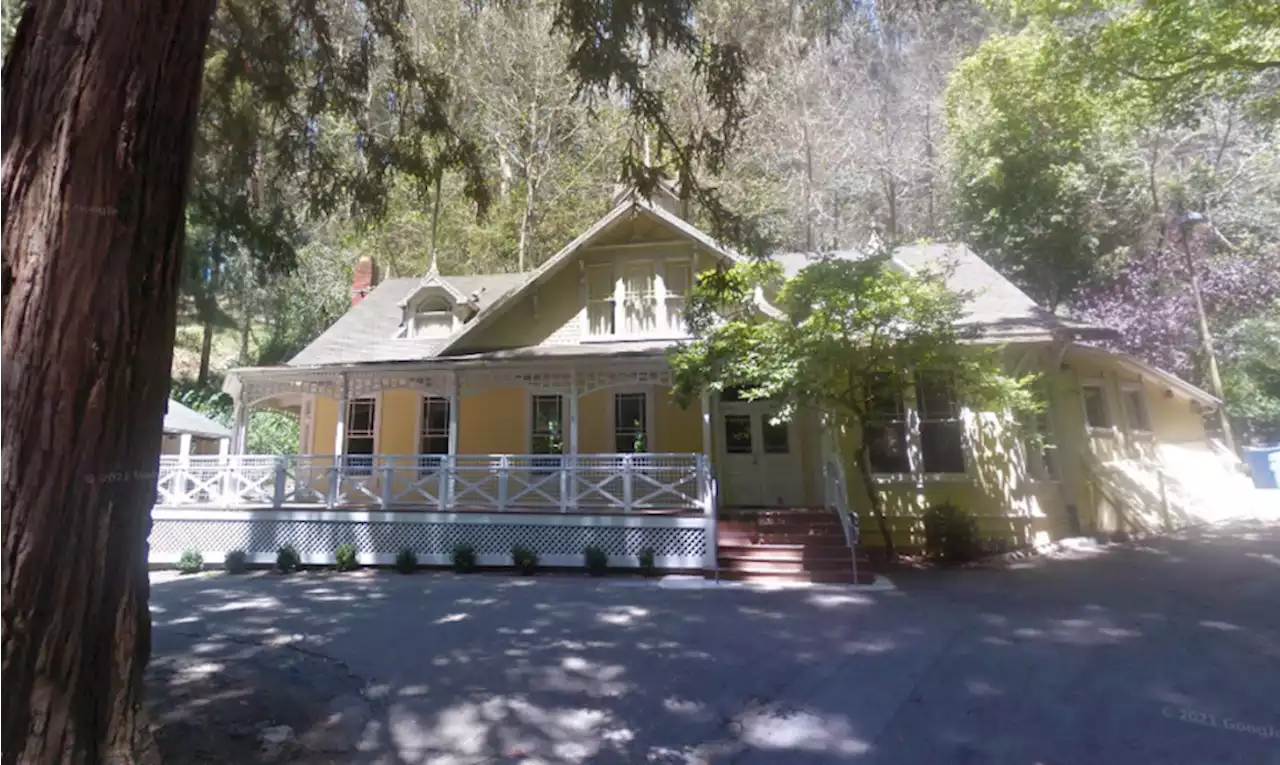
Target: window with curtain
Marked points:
639	314
433	436
600	303
361	432
678	278
941	429
629	430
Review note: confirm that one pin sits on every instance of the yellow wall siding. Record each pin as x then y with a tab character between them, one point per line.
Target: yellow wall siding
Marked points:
595	420
493	422
326	422
398	422
677	430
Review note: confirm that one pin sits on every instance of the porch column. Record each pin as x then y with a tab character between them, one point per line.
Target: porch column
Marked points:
569	467
451	461
184	445
240	427
340	431
339	442
705	400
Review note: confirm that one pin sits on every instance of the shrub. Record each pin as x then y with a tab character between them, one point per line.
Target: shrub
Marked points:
950	534
647	565
597	560
406	560
236	562
524	559
287	559
345	556
464	558
191	562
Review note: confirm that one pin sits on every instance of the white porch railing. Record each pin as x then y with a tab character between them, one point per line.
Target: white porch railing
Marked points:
488	482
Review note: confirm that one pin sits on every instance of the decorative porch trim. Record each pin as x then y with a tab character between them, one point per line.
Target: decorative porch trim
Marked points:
679	542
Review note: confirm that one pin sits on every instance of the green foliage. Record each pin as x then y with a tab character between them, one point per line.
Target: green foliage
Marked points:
406	560
1251	378
1037	185
1171	54
236	562
646	558
288	560
191	562
345	558
848	329
950	534
464	558
269	432
597	560
525	559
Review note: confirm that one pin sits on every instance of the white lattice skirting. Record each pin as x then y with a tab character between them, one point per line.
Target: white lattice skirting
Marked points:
679	542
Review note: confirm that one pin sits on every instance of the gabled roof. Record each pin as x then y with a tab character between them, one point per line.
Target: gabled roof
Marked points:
366	333
631	203
1004	312
179	419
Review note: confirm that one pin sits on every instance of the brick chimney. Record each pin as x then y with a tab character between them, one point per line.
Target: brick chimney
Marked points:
364	279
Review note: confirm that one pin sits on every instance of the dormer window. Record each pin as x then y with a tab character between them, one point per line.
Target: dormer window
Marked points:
433	319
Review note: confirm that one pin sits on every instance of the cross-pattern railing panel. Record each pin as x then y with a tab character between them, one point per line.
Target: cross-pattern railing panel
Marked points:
612	482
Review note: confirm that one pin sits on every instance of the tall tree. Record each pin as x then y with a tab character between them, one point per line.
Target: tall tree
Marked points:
99	124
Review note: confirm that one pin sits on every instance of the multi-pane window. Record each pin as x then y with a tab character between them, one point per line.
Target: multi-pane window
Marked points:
1096	412
600	302
886	430
638	297
678	279
941	429
433	435
1042	448
362	418
629	432
1135	406
547	436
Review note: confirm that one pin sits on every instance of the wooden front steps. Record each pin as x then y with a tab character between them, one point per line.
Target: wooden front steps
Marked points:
799	545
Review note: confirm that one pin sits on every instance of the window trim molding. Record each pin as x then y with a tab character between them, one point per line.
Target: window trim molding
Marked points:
915	445
377	424
658	262
1098	430
650	434
417	431
529	396
1136	386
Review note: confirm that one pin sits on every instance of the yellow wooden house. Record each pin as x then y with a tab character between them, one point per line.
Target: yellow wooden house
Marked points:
534	408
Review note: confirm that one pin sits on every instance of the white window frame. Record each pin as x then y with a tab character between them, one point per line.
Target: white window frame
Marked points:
422	424
957	417
618	266
348	433
1101	385
1129	389
915	453
530	416
649	434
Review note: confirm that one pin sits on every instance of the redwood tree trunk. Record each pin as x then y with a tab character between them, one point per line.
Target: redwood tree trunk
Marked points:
98	121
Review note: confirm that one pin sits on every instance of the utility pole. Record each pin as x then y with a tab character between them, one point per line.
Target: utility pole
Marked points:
1186	221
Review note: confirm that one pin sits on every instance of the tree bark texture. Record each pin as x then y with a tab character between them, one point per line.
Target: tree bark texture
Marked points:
99	115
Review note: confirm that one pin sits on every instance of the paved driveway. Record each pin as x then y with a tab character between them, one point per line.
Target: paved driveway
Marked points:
1166	653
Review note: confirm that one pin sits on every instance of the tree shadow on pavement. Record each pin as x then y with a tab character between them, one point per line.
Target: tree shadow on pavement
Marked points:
1051	664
